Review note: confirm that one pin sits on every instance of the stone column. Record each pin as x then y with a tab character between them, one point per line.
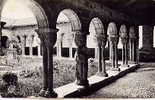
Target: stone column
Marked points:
132	43
1	26
48	36
96	52
124	40
45	72
23	45
113	39
101	40
70	52
81	60
39	50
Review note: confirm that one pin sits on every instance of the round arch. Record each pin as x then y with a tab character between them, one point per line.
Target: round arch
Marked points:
73	18
123	31
98	25
37	10
112	29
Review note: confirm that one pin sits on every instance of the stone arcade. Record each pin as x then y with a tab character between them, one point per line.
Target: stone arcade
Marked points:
112	21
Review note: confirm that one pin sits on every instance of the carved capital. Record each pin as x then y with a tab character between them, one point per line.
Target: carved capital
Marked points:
123	32
47	36
80	39
132	34
101	39
114	40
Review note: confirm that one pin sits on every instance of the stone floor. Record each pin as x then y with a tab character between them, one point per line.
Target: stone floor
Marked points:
138	84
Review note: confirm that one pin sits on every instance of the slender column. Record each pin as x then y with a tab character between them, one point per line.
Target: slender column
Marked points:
23	46
39	51
124	40
45	72
110	52
81	59
48	36
101	40
99	60
132	37
116	54
70	52
113	39
31	47
96	53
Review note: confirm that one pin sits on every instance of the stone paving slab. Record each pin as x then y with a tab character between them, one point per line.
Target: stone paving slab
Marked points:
96	82
138	84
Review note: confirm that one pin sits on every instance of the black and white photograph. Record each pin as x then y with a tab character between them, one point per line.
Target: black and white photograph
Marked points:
77	49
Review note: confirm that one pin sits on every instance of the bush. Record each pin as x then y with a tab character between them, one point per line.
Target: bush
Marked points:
10	78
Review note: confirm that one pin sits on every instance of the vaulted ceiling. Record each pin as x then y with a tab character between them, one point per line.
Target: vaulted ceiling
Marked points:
140	10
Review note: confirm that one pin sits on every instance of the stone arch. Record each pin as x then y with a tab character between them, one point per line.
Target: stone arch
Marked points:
112	29
123	31
98	25
74	24
37	10
73	18
95	28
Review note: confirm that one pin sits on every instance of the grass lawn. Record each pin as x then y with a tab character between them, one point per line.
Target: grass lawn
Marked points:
30	74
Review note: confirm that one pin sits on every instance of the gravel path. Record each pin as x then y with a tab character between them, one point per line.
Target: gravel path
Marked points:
138	84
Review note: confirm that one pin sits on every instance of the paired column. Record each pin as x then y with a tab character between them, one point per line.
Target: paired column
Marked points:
48	39
81	59
113	39
132	45
101	41
124	40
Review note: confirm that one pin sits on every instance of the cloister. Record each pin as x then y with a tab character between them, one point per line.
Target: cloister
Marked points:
112	20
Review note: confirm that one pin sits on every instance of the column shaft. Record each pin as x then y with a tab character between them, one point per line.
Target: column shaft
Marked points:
99	59
81	59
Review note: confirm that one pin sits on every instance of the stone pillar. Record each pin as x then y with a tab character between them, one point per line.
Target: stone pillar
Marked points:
48	38
59	45
70	52
124	40
96	52
31	46
39	50
81	60
132	44
113	39
147	37
23	45
101	40
110	52
45	72
1	26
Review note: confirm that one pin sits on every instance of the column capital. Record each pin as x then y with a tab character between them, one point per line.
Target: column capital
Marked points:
47	36
80	39
101	39
123	34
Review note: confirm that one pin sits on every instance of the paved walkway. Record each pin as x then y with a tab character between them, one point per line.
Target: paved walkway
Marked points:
139	84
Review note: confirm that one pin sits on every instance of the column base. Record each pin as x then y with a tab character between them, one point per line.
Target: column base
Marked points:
82	88
50	94
42	93
115	69
132	62
82	82
124	65
102	74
